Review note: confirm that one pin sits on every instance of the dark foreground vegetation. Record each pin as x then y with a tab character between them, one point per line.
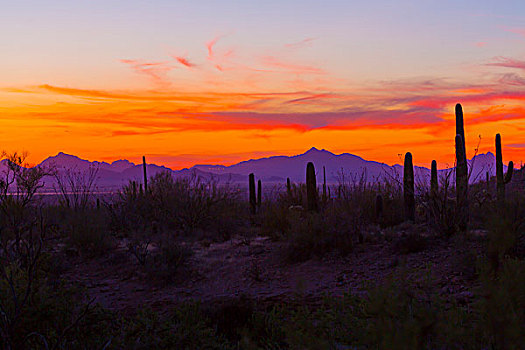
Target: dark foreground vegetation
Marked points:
453	277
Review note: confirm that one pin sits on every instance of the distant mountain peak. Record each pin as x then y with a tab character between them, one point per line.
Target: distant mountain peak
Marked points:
64	155
317	150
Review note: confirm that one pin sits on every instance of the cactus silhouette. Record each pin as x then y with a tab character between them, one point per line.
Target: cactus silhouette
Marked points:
311	187
461	171
461	184
501	181
460	130
289	188
434	186
145	174
259	194
408	188
251	186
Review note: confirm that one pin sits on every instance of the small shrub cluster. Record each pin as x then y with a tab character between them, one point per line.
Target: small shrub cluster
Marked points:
187	205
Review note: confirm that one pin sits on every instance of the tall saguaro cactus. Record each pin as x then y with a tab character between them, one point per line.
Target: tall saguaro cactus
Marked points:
434	187
461	171
251	186
461	184
311	187
460	129
145	174
408	188
259	194
501	180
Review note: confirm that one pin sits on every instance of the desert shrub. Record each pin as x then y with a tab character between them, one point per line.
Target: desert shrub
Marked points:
354	190
187	204
393	213
42	312
408	238
276	219
131	210
185	327
265	330
231	316
506	228
440	208
168	259
74	188
88	231
501	306
481	204
398	313
191	203
314	234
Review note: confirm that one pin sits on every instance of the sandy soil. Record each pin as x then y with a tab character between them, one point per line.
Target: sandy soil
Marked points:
257	270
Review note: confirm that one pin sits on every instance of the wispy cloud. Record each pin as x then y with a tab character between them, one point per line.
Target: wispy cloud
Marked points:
517	145
507	62
519	31
512	79
301	44
184	61
156	71
209	45
272	61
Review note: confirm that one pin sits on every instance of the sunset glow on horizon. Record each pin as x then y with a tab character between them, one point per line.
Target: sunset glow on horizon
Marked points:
199	82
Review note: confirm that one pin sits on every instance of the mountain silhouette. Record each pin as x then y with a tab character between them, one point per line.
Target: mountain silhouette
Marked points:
273	169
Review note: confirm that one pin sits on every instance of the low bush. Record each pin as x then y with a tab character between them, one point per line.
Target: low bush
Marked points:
168	259
88	231
187	204
314	235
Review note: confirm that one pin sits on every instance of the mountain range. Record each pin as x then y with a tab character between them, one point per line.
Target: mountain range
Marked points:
273	169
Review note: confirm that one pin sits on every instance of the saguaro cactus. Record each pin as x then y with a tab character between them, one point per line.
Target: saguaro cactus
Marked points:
461	170
500	180
251	186
311	187
145	174
460	130
434	187
259	193
324	184
461	184
408	188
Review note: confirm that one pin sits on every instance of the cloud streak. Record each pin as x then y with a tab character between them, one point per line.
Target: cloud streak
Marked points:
155	71
272	61
507	62
184	61
301	44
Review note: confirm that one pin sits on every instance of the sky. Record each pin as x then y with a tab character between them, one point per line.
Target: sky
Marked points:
218	82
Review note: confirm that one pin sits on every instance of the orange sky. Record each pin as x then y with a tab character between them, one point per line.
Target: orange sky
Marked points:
181	129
